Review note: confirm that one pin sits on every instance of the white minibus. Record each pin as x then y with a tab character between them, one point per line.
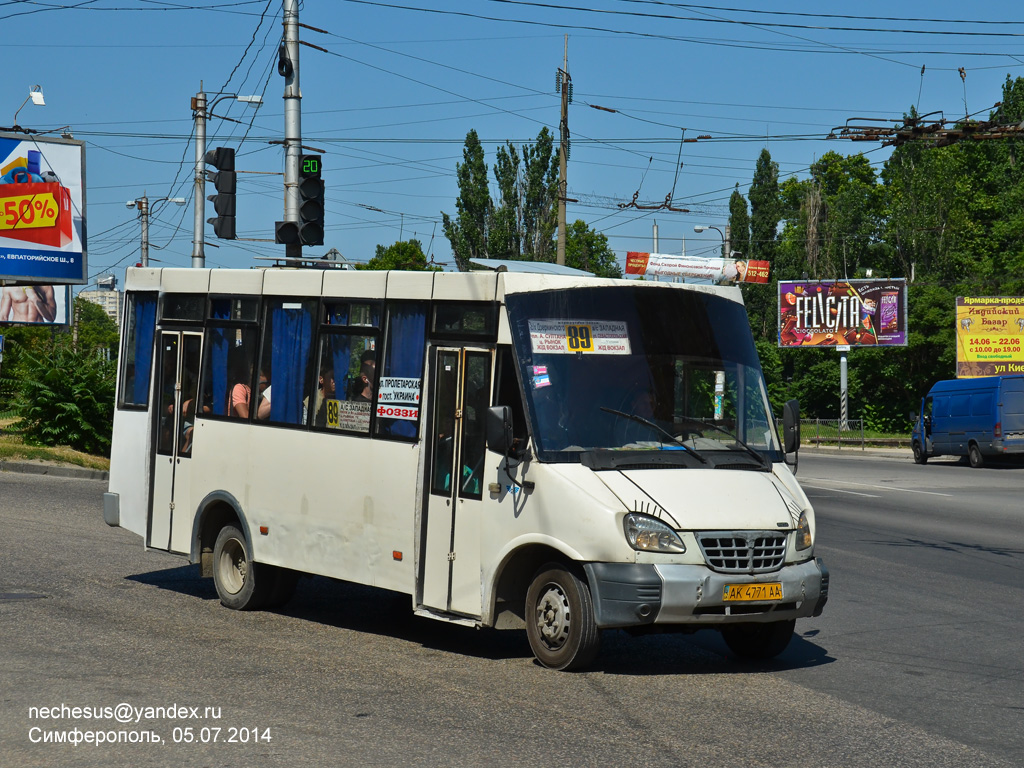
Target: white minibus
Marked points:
510	449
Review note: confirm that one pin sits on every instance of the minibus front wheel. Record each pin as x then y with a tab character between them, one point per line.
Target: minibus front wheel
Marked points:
560	622
920	457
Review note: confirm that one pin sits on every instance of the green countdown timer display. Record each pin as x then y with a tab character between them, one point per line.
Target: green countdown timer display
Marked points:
310	166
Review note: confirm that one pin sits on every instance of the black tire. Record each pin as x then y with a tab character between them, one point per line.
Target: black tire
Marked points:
560	619
242	585
920	457
974	456
759	641
285	581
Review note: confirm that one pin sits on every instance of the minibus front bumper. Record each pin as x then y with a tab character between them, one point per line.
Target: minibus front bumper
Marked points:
635	594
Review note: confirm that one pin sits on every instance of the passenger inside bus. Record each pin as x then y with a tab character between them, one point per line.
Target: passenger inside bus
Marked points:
241	395
362	386
325	391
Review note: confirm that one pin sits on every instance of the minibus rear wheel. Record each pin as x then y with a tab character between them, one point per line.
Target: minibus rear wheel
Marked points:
759	641
242	585
974	456
560	620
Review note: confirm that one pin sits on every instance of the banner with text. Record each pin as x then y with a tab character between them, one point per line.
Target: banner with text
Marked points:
42	209
715	270
856	313
989	336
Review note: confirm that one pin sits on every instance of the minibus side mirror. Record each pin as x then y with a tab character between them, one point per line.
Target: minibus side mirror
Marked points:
791	426
499	429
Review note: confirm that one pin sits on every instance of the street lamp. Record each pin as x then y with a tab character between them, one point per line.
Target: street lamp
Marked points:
35	93
142	204
200	112
702	227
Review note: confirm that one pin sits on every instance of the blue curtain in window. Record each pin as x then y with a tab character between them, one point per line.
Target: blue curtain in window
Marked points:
289	360
341	357
145	331
220	346
403	356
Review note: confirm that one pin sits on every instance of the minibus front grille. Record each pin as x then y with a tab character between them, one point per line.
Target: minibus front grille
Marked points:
754	552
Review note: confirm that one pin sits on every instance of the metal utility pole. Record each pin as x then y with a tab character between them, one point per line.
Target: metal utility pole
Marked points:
199	191
288	67
143	205
565	86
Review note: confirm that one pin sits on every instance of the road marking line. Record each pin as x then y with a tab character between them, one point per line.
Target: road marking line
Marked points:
840	490
878	487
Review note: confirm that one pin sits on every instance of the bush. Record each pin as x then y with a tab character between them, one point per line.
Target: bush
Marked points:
63	396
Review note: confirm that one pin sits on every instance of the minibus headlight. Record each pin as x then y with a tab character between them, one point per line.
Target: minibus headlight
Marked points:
648	534
803	532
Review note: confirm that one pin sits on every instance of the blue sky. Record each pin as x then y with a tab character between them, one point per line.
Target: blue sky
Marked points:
402	83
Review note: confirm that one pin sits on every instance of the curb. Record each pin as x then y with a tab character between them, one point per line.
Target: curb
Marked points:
889	453
54	470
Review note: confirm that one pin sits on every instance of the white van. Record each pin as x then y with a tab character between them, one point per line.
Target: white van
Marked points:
564	453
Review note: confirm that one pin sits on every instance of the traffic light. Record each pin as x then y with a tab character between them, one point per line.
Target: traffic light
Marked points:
223	159
309	229
311	201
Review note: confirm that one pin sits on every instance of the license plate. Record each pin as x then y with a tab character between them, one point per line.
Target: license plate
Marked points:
745	592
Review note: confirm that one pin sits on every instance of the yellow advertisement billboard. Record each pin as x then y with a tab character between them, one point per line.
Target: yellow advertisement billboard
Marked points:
989	336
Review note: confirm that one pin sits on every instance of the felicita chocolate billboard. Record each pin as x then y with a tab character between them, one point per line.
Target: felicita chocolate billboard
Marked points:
856	313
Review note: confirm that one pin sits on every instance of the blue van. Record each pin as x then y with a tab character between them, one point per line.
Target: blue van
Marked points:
977	418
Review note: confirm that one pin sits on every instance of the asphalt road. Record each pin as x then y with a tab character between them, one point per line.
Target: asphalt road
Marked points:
916	661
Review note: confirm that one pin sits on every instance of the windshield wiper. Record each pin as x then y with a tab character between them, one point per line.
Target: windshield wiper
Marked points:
656	427
761	460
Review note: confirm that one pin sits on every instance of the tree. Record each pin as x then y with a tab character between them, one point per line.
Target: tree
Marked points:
405	254
588	250
521	223
468	232
64	395
765	212
96	330
739	224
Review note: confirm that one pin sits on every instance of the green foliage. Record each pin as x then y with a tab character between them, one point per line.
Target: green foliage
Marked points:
467	233
521	223
589	250
96	329
739	223
951	218
63	396
405	254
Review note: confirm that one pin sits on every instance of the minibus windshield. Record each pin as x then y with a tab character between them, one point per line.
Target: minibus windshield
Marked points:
638	369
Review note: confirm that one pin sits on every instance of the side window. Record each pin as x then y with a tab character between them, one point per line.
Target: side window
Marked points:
137	358
346	376
228	366
400	376
286	361
506	392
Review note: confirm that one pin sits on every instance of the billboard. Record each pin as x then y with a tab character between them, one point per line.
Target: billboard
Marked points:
716	270
857	313
42	209
35	304
989	336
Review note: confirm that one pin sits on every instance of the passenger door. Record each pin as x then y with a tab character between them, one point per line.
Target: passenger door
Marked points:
170	524
460	393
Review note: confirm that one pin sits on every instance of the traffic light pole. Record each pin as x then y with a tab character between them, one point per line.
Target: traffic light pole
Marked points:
288	66
199	196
